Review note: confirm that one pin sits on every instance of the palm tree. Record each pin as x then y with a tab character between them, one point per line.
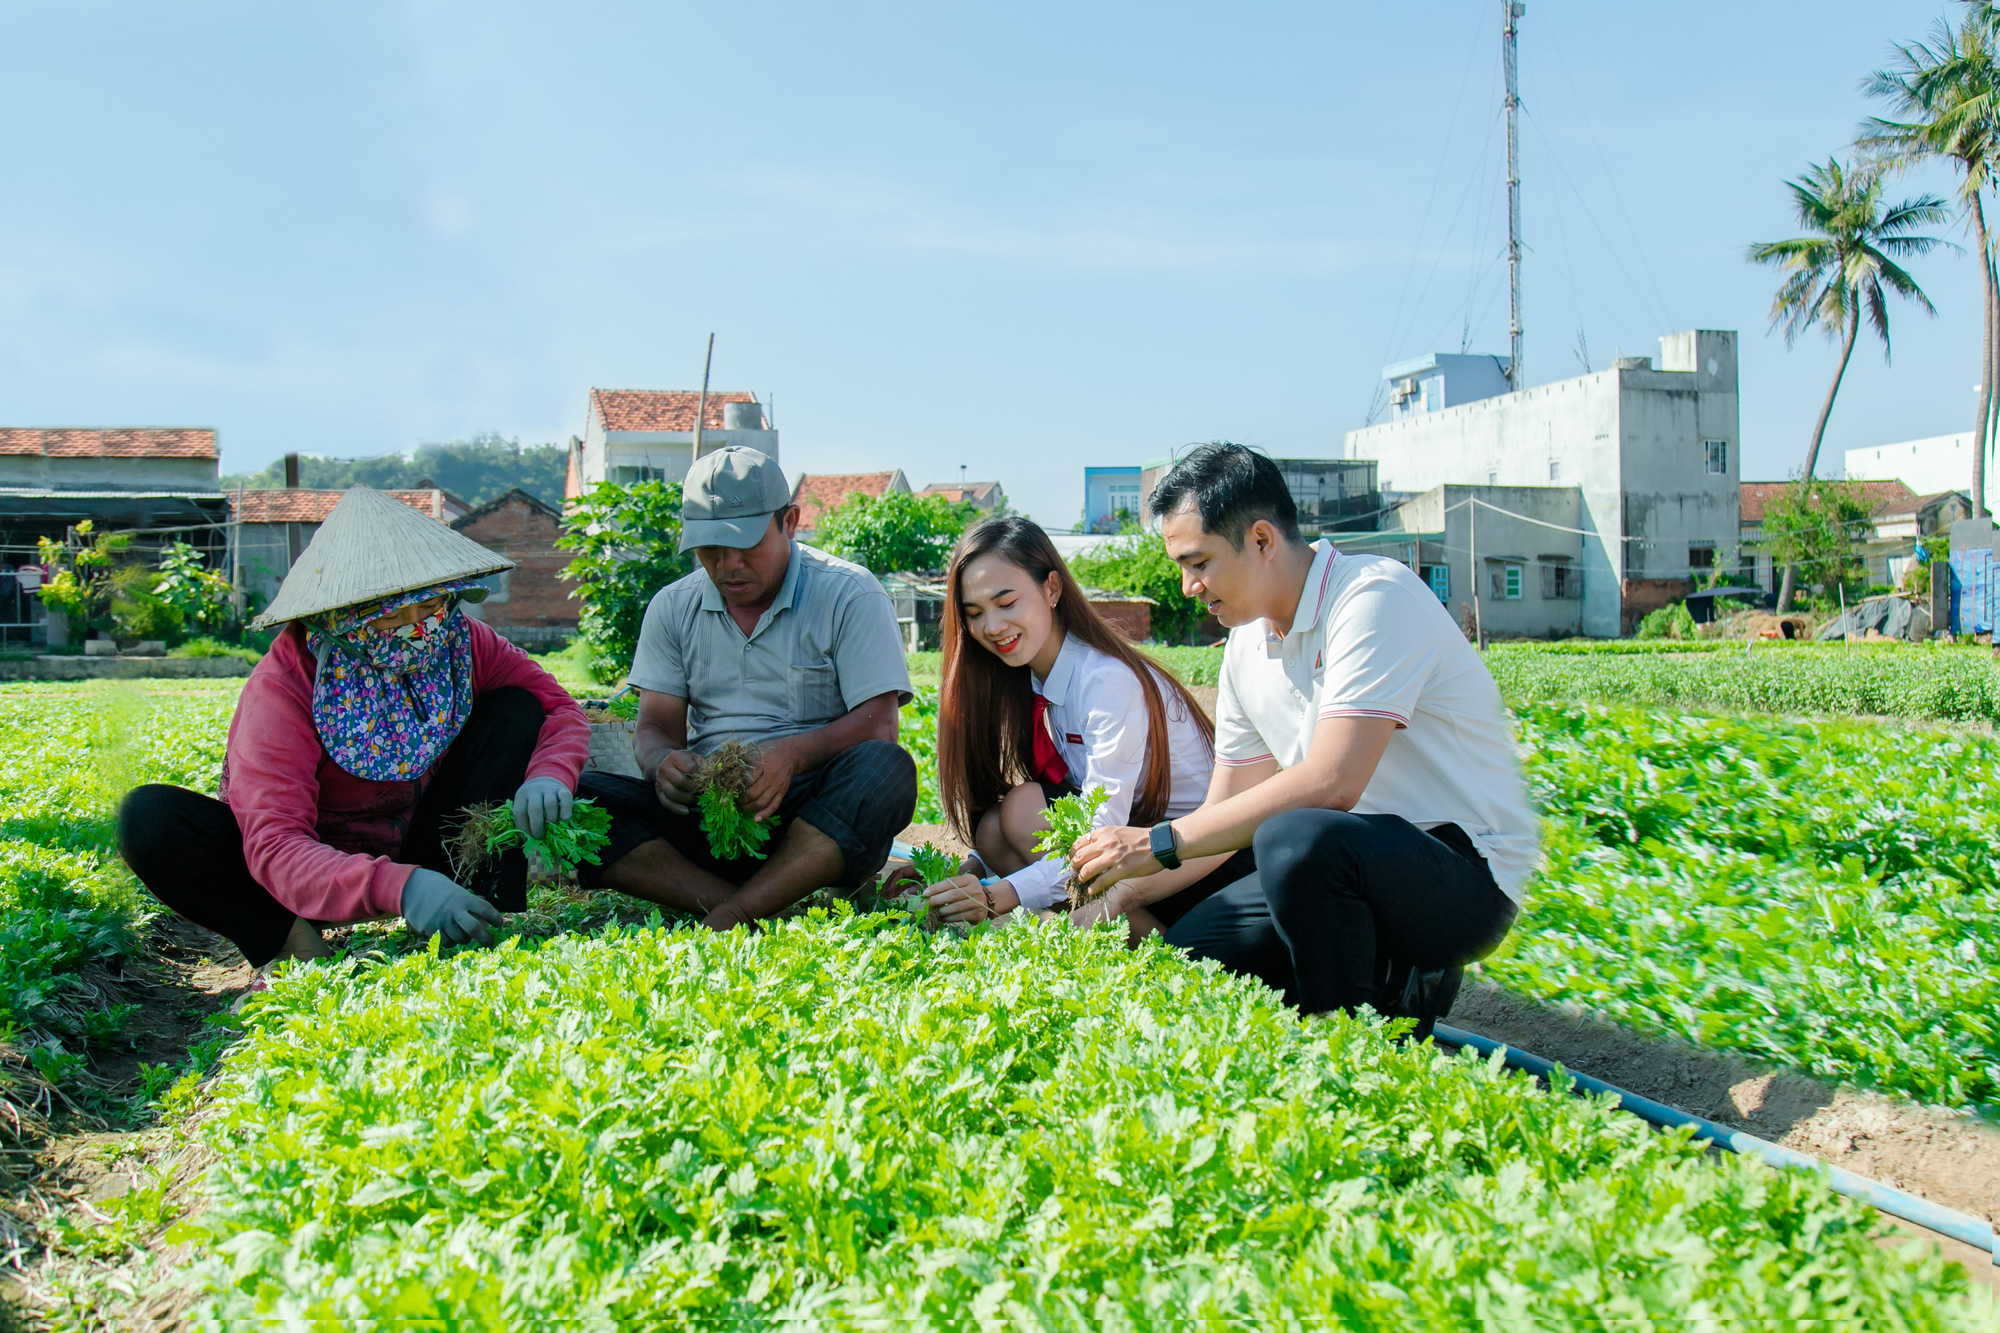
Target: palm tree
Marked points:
1945	94
1844	267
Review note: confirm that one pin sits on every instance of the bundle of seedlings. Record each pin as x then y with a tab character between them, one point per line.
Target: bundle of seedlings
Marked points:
487	833
1069	819
722	778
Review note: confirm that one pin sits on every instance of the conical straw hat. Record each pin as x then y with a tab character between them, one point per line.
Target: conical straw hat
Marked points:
371	547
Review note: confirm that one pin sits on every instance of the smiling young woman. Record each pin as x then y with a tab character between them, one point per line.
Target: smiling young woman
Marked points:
1042	697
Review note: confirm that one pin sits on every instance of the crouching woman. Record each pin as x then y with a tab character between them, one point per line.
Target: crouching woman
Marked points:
1042	698
378	716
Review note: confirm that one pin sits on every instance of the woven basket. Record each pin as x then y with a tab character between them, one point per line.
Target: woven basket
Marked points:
611	748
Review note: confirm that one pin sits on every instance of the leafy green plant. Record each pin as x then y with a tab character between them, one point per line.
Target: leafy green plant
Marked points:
894	532
81	565
1669	622
627	544
199	595
1070	817
1139	564
725	774
933	866
488	832
843	1122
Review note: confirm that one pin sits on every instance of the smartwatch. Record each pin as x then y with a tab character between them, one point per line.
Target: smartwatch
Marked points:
1165	847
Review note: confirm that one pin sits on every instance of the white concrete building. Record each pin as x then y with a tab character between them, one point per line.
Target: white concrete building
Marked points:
648	434
1928	466
1651	451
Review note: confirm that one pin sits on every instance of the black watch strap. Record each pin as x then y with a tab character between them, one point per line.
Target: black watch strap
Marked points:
1166	848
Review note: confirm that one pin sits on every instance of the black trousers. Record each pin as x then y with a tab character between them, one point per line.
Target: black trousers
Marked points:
187	849
861	799
1337	896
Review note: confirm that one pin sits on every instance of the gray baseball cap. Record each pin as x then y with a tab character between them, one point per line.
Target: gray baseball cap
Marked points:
729	497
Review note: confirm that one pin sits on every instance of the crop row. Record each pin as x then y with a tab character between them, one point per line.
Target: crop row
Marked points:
844	1121
67	753
1892	680
1817	893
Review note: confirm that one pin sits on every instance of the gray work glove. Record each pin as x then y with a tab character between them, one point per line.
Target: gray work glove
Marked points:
540	803
433	905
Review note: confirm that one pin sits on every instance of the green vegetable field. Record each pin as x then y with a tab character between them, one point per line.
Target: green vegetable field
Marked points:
1816	893
844	1119
1932	681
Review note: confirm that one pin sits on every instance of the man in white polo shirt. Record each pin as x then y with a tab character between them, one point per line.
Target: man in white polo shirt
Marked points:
1361	750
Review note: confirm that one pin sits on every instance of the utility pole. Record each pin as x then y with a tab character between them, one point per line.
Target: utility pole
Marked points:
701	403
1478	629
1511	10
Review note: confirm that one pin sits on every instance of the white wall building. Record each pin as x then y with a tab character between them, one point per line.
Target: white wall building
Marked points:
1651	450
648	434
1940	463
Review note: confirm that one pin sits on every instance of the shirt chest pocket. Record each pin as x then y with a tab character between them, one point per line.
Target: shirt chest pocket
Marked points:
816	692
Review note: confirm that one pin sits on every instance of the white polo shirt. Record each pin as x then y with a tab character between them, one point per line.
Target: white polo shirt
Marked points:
1370	639
1097	718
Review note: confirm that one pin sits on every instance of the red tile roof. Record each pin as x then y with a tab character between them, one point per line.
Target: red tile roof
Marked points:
815	494
1756	496
979	492
310	506
117	442
659	409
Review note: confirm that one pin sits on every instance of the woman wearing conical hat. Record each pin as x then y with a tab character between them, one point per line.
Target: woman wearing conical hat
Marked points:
380	713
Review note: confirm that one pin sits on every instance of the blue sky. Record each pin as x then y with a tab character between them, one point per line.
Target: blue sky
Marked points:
1024	239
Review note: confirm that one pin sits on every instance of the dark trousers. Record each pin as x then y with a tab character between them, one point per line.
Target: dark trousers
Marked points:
187	849
861	799
1336	897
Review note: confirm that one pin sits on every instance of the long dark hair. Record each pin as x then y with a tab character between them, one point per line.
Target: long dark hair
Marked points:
986	710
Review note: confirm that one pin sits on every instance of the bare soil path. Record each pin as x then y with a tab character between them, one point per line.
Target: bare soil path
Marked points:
1949	1159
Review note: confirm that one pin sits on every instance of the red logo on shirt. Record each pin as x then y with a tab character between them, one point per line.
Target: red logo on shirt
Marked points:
1073	738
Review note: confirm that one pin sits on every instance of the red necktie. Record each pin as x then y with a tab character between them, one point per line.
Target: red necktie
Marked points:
1049	765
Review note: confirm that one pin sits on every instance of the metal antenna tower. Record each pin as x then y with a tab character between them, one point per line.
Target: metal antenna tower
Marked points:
1511	11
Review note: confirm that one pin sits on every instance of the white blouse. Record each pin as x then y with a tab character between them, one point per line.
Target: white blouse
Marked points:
1097	718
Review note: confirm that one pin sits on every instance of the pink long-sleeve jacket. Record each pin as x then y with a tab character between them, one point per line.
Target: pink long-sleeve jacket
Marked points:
322	840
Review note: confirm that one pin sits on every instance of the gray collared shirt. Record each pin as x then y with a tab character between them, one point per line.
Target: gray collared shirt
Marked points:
826	644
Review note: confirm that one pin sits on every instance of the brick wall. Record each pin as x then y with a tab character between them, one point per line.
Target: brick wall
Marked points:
1643	596
533	595
1132	619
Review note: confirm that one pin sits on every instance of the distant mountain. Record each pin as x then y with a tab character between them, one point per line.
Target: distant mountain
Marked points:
475	470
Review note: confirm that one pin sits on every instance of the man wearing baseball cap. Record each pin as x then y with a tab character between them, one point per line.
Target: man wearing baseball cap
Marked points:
780	645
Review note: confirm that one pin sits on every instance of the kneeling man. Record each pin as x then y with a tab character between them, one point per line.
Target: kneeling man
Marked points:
1361	750
782	646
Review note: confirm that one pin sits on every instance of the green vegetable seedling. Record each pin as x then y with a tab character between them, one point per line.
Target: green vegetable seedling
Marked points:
723	778
933	866
488	832
1069	819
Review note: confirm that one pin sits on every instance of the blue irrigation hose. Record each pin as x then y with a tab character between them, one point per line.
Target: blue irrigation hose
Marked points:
1886	1198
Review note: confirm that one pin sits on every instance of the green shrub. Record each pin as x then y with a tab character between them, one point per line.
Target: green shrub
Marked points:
896	532
1669	622
627	543
842	1122
1139	564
